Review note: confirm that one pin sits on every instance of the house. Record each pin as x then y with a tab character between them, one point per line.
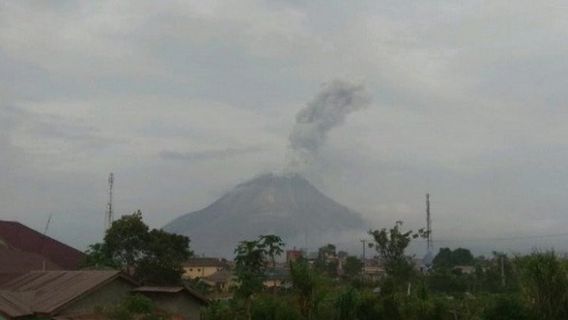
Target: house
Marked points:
181	302
464	269
14	263
220	281
373	272
13	305
203	267
277	278
293	255
17	236
63	294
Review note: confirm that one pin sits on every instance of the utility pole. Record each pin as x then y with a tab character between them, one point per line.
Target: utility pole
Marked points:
109	214
502	260
364	242
428	225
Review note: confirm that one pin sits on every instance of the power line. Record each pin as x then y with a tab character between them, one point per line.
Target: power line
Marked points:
525	237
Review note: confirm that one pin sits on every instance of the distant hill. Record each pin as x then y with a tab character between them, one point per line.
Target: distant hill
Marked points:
286	205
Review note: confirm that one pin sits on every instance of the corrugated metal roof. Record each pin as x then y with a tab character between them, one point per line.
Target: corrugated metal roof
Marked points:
15	304
54	289
16	235
220	276
159	289
192	292
13	261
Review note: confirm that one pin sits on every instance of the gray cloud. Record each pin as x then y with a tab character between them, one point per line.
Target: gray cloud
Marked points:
327	110
216	154
468	104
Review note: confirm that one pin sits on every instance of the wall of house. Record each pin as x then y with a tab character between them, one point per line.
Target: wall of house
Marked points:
192	272
110	294
180	304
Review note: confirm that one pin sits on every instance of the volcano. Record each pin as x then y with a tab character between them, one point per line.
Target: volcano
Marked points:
285	205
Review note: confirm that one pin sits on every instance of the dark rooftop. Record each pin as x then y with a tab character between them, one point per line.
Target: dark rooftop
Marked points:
18	236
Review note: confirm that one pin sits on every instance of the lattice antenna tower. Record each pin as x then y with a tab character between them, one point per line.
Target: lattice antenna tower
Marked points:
109	213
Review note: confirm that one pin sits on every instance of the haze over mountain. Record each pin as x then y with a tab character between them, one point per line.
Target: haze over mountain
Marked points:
285	205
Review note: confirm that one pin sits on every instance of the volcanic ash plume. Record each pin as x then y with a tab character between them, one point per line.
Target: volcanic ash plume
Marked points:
326	111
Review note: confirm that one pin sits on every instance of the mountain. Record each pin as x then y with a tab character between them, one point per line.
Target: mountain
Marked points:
285	205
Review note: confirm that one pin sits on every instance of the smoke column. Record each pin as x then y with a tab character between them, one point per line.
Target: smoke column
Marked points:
327	110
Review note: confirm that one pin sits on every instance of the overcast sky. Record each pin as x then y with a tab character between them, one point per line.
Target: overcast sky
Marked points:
184	99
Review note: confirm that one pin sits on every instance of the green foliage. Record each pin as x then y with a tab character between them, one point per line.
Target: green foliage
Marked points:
97	257
347	304
273	245
126	239
525	288
153	256
251	259
134	307
274	308
443	280
353	266
391	244
327	260
163	257
221	310
544	284
306	282
506	307
446	258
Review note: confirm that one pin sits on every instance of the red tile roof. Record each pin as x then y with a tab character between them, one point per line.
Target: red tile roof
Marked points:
17	236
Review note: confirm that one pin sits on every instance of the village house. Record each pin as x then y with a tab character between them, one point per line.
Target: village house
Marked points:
23	249
83	294
293	255
64	294
221	281
181	302
202	267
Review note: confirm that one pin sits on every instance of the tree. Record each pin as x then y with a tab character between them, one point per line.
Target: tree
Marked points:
273	245
251	259
544	284
126	239
391	244
305	282
346	304
151	256
163	257
446	258
353	266
327	260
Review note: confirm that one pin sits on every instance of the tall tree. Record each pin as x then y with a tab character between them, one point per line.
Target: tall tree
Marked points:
544	283
151	256
126	240
353	266
305	282
163	258
251	260
327	260
273	245
391	245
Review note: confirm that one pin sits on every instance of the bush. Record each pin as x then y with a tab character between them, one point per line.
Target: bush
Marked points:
506	308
